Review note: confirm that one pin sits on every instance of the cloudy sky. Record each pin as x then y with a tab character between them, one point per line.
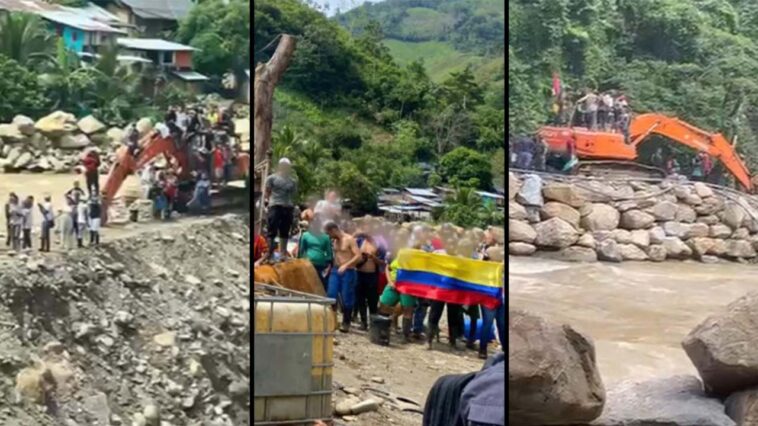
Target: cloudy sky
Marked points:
342	5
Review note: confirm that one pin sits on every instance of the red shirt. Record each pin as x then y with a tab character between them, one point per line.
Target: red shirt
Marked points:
259	248
218	159
91	163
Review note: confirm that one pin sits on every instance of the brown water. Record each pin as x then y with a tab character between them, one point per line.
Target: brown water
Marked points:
637	313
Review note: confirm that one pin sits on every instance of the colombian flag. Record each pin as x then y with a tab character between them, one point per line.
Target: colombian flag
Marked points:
450	279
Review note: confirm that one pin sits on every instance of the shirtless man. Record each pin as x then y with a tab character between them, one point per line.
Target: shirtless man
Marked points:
343	276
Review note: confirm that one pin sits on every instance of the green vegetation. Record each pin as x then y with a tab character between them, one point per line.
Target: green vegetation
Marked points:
696	59
352	117
38	74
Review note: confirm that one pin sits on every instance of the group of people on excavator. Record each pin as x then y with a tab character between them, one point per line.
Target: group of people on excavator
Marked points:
606	111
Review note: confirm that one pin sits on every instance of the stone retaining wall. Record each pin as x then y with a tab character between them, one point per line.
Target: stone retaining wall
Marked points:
589	220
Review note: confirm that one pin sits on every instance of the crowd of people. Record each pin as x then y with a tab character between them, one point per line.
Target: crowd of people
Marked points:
357	262
81	216
606	111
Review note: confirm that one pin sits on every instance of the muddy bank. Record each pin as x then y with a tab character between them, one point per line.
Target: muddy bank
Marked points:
145	329
585	220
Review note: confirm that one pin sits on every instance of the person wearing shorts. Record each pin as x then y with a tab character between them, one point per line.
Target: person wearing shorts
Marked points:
280	191
391	297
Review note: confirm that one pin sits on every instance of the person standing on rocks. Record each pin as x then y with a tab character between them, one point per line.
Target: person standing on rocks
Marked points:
27	210
48	222
81	222
93	211
342	279
91	164
279	194
9	207
16	222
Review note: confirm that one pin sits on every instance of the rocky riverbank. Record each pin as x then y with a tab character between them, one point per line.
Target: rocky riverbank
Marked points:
53	143
144	330
588	220
553	377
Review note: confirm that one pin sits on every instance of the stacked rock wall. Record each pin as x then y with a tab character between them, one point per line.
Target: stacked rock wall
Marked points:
588	220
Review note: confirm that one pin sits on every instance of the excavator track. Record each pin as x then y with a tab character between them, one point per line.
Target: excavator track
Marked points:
618	169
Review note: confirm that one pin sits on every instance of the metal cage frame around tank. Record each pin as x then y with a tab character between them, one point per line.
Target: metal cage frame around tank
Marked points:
266	385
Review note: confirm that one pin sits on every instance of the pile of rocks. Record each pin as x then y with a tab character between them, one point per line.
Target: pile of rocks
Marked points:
53	143
141	331
553	378
590	221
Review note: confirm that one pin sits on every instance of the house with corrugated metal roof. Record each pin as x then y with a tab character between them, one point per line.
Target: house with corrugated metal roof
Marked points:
82	29
150	17
173	58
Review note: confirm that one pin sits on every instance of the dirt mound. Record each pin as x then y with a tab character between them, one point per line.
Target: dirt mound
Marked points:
146	330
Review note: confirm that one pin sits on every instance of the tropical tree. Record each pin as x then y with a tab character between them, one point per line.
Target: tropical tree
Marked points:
25	39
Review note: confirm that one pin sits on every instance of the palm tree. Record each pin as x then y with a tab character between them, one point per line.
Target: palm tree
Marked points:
25	39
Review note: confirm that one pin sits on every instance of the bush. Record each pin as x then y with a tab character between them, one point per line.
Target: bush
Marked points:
19	90
466	167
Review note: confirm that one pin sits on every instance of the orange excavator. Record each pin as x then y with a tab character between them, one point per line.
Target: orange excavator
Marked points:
610	148
151	146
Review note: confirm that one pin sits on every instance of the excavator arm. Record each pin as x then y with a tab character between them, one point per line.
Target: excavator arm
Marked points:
151	145
714	144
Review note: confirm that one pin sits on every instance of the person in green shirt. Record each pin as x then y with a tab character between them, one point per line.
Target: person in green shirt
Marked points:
316	246
391	297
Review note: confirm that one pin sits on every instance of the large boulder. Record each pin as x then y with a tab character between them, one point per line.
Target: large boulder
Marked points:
56	124
631	252
708	220
664	211
519	231
116	136
656	253
555	233
572	254
701	246
670	401
521	249
553	209
636	219
587	240
608	250
622	236
72	142
720	230
742	407
676	229
724	347
697	230
685	213
90	125
703	190
513	182
676	249
657	235
25	159
641	238
601	217
9	133
24	124
516	211
552	373
740	249
709	206
733	215
563	193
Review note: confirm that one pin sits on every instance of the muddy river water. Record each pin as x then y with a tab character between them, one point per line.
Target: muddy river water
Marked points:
637	313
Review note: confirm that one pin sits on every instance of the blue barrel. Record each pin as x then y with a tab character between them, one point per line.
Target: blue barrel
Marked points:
478	333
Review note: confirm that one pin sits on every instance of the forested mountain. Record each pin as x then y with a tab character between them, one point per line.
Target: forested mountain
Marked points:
355	118
696	59
447	34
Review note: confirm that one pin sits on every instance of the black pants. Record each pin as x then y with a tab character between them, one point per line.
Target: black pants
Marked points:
367	294
8	232
45	236
279	221
94	237
454	318
27	239
93	184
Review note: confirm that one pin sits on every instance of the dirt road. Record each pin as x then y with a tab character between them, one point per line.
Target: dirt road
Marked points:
407	371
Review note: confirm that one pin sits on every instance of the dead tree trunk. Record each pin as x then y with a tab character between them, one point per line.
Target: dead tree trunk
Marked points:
267	76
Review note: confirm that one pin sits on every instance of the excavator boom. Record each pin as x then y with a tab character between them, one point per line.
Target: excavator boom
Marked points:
714	144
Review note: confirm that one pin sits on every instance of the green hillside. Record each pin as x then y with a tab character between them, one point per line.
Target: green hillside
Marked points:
447	35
